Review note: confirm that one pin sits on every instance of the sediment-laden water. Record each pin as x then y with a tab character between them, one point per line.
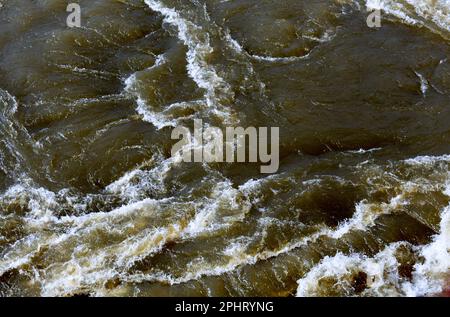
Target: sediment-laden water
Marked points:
92	203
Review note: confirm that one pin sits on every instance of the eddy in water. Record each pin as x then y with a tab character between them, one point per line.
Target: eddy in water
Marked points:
97	199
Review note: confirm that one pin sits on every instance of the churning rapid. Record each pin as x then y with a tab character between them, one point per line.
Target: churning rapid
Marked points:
93	204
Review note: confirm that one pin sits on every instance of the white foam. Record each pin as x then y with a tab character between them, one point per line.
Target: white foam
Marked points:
381	270
365	216
363	151
383	277
209	218
90	265
326	37
436	10
199	49
9	102
423	83
40	201
360	221
428	160
431	275
158	119
278	59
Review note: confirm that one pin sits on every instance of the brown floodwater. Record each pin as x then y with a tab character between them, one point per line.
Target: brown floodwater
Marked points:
92	203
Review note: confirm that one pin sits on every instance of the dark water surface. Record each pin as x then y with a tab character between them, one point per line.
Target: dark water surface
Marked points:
92	203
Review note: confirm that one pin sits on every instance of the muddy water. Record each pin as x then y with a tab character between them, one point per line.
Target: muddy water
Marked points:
91	202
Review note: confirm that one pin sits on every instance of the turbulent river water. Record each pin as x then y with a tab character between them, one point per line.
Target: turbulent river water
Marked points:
93	204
